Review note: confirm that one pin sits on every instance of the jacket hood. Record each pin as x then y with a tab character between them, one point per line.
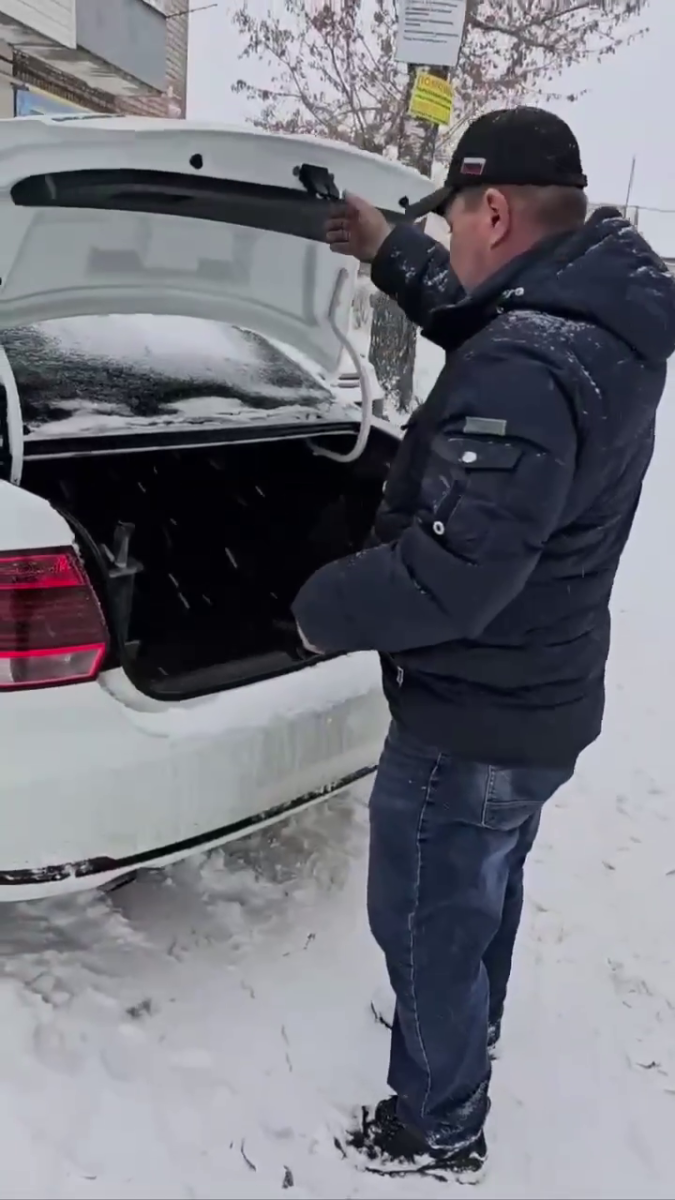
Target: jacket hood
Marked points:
605	274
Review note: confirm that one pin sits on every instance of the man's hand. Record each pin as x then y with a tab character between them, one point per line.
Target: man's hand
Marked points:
357	228
308	645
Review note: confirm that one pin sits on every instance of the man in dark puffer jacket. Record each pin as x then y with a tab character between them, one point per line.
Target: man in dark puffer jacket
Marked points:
500	533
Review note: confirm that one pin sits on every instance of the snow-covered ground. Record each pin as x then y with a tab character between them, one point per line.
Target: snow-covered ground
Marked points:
206	1033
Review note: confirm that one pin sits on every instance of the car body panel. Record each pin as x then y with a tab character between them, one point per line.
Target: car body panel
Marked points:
98	779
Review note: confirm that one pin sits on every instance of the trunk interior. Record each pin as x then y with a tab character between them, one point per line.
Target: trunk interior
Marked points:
199	552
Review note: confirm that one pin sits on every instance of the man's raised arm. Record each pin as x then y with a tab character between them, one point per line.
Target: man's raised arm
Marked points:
415	271
407	265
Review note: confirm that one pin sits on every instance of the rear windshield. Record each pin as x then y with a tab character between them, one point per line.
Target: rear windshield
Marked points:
101	375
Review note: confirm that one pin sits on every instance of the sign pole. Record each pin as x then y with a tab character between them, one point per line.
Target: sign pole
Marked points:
419	129
429	40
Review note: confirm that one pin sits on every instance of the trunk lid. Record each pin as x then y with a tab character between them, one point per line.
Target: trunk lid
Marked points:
123	215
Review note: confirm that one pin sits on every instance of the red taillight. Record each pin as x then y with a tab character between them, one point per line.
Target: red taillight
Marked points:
51	626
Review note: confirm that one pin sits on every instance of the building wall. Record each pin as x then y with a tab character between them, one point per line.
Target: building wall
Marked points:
128	34
169	103
172	102
6	77
53	18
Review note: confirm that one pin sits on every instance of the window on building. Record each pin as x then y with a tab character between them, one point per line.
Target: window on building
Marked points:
32	102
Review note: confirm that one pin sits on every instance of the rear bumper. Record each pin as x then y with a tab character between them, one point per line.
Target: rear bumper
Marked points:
98	780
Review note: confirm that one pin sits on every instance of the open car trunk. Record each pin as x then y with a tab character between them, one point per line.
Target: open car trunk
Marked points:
198	553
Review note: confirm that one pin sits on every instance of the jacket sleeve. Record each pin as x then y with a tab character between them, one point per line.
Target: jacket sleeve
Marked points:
415	271
496	482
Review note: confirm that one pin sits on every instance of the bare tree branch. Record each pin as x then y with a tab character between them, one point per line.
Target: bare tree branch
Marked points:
333	72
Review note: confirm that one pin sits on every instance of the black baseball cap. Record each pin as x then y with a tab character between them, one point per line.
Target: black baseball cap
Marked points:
520	146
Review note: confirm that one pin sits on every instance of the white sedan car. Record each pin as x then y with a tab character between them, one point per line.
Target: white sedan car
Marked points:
167	482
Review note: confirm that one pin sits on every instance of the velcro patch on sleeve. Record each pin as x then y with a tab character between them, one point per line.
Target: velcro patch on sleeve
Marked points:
488	426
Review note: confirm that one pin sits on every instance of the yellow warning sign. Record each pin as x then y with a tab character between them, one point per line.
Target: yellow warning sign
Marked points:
431	99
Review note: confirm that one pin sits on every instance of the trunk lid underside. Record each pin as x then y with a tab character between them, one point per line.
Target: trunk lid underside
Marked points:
106	216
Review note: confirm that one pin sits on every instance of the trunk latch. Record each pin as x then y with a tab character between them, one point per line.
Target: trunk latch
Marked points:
318	181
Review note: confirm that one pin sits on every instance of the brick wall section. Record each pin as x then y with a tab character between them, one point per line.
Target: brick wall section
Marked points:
170	103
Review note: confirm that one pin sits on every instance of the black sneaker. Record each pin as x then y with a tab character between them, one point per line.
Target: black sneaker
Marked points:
394	1149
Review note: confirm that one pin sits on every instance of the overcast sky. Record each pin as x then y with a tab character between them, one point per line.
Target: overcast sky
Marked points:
628	108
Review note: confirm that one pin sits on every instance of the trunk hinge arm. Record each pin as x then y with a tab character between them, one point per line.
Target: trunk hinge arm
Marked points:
13	418
364	382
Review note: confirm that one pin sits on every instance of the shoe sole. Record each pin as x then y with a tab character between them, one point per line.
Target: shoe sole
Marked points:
429	1169
432	1170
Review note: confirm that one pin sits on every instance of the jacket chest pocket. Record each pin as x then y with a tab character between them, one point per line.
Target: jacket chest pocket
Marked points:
465	480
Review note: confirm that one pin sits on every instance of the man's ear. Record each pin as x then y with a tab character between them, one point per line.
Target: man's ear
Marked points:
499	214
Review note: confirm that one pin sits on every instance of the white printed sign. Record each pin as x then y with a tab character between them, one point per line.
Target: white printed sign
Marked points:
430	32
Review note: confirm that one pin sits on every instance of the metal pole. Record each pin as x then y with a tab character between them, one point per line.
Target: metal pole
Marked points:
630	185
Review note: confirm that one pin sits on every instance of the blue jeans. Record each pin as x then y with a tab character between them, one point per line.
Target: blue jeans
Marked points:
448	840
